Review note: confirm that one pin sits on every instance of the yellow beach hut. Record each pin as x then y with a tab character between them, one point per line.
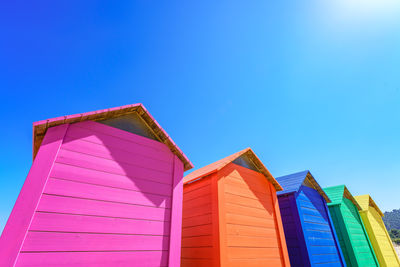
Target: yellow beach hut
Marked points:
380	239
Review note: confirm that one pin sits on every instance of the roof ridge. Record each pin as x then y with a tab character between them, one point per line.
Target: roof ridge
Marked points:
293	182
218	165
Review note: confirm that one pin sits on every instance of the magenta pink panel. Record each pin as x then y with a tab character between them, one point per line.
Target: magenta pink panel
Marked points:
94	259
106	198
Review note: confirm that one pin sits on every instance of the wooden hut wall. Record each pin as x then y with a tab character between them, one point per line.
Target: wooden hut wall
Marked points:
98	196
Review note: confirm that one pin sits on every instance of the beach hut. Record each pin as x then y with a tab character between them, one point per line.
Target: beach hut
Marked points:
353	238
104	189
371	216
310	235
231	215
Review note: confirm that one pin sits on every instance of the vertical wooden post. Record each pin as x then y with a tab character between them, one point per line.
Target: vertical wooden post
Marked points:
21	216
175	235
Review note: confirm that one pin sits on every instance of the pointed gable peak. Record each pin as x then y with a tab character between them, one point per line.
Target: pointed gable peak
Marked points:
132	118
245	157
366	201
338	193
291	183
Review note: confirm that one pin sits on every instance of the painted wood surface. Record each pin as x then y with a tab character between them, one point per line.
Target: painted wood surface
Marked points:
176	220
309	231
295	242
15	231
377	233
111	198
356	246
197	229
232	218
310	237
244	248
319	234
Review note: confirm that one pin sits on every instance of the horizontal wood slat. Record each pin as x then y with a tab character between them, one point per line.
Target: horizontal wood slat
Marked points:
93	163
81	190
50	241
117	133
58	204
92	224
110	153
93	259
197	253
81	174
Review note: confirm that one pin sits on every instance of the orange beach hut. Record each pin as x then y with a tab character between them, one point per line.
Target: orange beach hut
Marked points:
231	215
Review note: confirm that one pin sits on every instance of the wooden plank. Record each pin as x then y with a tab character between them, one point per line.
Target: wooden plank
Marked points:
197	253
296	244
244	201
197	220
253	253
81	174
105	165
52	241
100	138
259	262
197	230
245	192
58	204
92	224
244	230
94	259
117	133
249	220
248	211
251	241
111	153
18	223
197	185
197	211
259	185
196	262
196	202
197	241
89	191
203	192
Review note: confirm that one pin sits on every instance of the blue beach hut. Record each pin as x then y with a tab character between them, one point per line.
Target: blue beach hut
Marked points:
309	231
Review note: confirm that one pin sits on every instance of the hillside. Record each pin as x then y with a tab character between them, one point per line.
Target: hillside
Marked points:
392	219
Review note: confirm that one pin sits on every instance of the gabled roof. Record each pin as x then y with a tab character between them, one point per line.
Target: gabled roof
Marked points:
40	127
366	201
218	165
337	193
291	183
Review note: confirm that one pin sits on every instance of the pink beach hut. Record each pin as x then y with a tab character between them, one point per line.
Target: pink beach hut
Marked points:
104	189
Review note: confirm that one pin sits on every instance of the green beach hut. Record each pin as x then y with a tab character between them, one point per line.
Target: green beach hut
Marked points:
353	238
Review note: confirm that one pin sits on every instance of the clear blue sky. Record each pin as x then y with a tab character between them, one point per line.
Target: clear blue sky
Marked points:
307	84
